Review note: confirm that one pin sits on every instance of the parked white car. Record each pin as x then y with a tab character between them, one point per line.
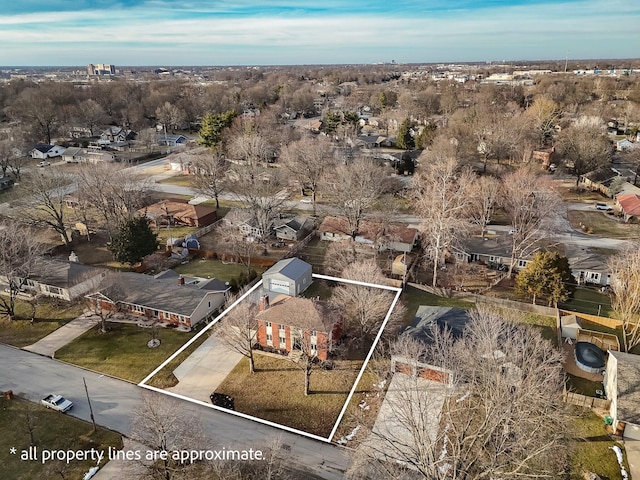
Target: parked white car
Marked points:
43	163
603	206
57	402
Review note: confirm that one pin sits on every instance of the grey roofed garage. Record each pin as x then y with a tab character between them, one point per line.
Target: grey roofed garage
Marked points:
292	268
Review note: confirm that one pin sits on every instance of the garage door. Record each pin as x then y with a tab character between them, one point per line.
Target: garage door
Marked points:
632	432
279	286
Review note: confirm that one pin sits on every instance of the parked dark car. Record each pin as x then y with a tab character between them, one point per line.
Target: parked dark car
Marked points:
222	400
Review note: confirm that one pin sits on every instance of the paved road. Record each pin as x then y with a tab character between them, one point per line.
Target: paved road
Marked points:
33	376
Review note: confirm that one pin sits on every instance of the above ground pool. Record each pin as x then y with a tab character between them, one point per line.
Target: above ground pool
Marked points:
589	357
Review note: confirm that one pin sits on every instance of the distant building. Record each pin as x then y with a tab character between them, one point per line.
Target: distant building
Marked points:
101	69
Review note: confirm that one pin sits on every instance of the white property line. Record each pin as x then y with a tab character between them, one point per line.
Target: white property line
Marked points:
260	420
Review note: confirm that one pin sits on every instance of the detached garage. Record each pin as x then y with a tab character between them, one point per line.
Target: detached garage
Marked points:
291	276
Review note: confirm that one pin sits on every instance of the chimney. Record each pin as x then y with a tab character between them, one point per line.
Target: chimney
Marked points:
263	304
181	280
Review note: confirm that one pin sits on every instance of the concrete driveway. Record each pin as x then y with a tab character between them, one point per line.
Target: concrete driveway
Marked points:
62	336
632	448
205	369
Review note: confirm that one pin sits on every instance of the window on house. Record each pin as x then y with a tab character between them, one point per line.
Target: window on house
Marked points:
282	328
137	308
283	342
314	333
492	258
156	314
314	348
54	290
269	338
522	263
267	324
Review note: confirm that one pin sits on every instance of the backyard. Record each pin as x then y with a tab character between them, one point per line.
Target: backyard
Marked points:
602	224
276	392
122	352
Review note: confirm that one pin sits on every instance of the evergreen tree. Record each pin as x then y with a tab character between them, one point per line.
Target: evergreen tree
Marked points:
133	241
549	276
212	126
405	139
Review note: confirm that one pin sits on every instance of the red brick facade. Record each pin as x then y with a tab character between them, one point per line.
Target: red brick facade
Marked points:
139	311
323	341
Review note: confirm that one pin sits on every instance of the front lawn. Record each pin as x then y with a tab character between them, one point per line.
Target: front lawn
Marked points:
122	352
591	451
601	224
50	315
276	392
51	431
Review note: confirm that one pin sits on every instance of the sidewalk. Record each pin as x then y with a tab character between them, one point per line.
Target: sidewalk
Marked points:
62	336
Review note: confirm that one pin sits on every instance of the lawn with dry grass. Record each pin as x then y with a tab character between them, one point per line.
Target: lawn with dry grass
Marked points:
49	316
276	392
602	224
122	352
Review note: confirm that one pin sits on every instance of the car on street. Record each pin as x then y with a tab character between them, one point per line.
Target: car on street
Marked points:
57	402
603	206
43	163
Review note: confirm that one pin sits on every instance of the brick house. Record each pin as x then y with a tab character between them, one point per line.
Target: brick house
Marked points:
172	299
295	323
176	212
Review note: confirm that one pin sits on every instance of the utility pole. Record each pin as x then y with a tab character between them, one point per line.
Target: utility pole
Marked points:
93	420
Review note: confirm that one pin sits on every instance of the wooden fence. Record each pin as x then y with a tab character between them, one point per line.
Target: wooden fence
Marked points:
204	230
604	321
584	401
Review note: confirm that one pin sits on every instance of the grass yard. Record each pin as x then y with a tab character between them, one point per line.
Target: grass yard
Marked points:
546	324
591	301
49	317
165	377
582	385
319	288
214	269
174	232
314	252
601	224
122	352
591	451
276	392
51	431
413	297
179	180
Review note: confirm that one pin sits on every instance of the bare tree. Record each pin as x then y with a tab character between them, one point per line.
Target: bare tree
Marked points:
443	199
544	114
208	177
114	192
46	205
625	287
365	307
485	192
496	412
234	242
161	424
353	190
169	116
263	191
38	112
91	114
105	303
237	330
530	203
585	146
308	160
19	260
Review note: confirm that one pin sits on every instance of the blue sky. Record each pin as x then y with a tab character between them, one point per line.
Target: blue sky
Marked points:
256	32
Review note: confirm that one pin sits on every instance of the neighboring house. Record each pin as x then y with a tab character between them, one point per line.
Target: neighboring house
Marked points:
64	280
80	132
175	212
588	267
543	155
625	145
116	135
87	155
372	141
294	323
43	152
599	180
629	205
294	229
622	387
168	298
244	221
495	252
395	237
291	276
172	140
183	161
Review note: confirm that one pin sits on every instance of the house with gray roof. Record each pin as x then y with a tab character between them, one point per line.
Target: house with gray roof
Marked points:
622	386
168	297
290	276
294	228
64	280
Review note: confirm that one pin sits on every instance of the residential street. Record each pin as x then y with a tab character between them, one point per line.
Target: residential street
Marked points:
33	377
